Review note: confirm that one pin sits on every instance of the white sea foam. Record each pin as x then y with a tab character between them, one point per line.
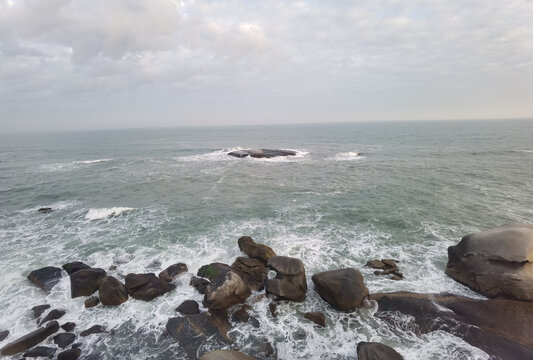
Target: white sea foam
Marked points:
347	156
87	162
55	167
104	213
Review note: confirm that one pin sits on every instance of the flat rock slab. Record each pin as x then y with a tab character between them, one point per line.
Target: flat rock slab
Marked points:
344	289
261	153
31	339
45	278
376	351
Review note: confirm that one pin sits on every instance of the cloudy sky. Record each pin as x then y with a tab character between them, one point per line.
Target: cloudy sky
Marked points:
76	64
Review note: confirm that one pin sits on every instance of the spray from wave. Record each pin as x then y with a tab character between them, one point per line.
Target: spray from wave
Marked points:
99	214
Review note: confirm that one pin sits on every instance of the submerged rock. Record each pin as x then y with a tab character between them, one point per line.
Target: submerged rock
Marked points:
344	289
72	267
376	351
70	354
146	286
40	351
31	339
53	315
172	271
85	282
290	282
188	307
226	355
497	262
254	250
45	278
317	317
112	292
251	271
225	291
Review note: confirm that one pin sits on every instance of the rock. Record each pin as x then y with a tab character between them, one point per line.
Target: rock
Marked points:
290	282
375	264
91	302
388	267
251	271
112	292
239	153
376	351
45	278
254	250
39	310
40	351
146	286
64	339
226	355
96	329
45	210
240	315
213	270
3	334
172	271
497	262
500	327
273	307
225	291
85	282
261	153
70	354
317	317
188	307
199	284
344	289
53	315
68	326
31	339
112	268
72	267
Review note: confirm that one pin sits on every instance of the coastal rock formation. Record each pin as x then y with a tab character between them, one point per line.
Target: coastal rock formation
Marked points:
497	262
172	271
68	326
317	317
261	153
344	289
45	210
95	329
72	267
31	339
112	292
500	327
199	284
91	302
86	281
252	272
376	351
45	278
52	315
226	355
64	339
212	271
40	351
254	250
290	282
387	267
226	290
39	310
146	286
70	354
188	307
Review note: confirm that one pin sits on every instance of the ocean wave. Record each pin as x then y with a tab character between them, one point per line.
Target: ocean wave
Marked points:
347	156
70	165
87	162
104	213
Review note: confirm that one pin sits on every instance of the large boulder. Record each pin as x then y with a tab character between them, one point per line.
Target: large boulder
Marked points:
254	250
261	153
39	310
40	352
72	267
86	281
146	286
112	291
500	327
344	289
199	284
376	351
290	282
45	278
225	291
213	270
226	355
188	307
172	271
31	339
497	262
70	354
252	272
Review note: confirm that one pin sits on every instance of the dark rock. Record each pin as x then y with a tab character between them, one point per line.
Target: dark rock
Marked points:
239	153
199	284
225	291
112	268
290	282
226	355
251	271
39	310
112	291
91	302
53	315
188	307
146	286
375	264
317	317
4	334
497	262
72	267
254	250
86	281
376	351
31	339
45	278
96	329
388	267
172	271
70	354
64	339
45	210
500	327
213	270
68	326
40	351
344	289
273	307
261	153
240	315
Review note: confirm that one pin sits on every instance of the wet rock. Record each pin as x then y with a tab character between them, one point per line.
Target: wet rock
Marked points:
225	291
241	316
212	271
96	329
199	284
261	153
344	289
254	250
376	351
375	264
70	354
39	310
53	315
387	267
497	262
146	287
64	339
273	307
317	317
112	292
3	334
112	268
91	302
31	339
45	278
226	355
500	327
68	326
86	281
45	210
188	307
72	267
40	351
172	271
239	153
251	271
290	282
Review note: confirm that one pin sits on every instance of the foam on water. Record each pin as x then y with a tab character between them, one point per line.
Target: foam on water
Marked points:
88	162
98	214
347	156
56	167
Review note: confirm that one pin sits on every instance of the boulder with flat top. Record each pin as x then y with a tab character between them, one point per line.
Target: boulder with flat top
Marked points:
290	282
45	278
146	286
344	289
85	282
225	291
252	272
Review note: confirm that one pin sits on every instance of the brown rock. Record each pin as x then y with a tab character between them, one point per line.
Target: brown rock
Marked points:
376	351
254	250
317	317
241	315
72	267
225	291
290	282
91	302
188	307
344	289
31	339
52	315
112	292
39	310
64	339
212	271
68	326
85	282
199	283
375	264
251	271
95	329
146	286
226	355
172	271
70	354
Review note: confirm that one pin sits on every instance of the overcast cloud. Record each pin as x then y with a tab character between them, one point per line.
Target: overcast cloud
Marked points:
76	64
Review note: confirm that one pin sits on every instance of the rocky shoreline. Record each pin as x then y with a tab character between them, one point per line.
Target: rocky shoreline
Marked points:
496	263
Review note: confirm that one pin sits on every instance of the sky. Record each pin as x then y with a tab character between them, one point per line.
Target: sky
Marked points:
91	64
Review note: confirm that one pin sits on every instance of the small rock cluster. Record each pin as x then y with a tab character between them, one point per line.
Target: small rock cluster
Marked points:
385	267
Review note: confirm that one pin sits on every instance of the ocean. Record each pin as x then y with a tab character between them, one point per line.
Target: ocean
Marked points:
147	198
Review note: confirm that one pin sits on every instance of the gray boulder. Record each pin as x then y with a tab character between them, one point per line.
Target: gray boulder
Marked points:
45	278
290	282
344	289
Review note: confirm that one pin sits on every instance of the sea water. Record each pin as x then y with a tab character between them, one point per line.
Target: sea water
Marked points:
145	199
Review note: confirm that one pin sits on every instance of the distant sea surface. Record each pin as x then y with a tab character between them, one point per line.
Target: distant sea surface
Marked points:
145	199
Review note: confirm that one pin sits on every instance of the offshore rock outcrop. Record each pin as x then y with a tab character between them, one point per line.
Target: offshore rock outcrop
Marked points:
261	153
85	282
